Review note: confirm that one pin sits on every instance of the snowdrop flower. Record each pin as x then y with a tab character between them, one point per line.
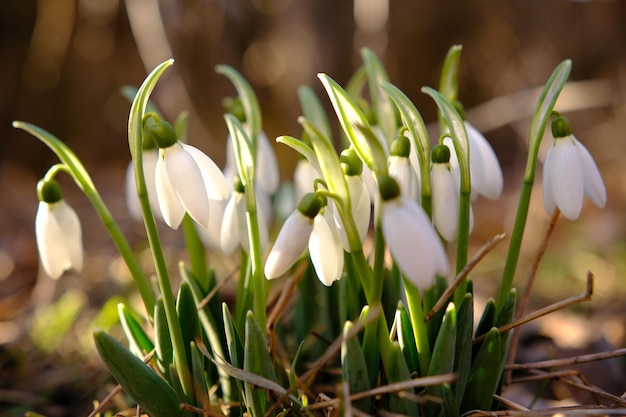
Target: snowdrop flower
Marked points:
150	158
401	169
58	231
266	165
445	199
304	175
307	226
234	226
360	199
410	236
570	173
185	178
485	170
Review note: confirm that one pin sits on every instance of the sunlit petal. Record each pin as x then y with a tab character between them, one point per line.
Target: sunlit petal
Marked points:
210	235
231	230
413	242
188	181
216	186
59	238
445	202
548	195
303	176
593	184
291	242
566	177
171	208
401	170
326	253
267	173
486	173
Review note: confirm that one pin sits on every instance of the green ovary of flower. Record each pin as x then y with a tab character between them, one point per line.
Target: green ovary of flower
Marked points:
49	191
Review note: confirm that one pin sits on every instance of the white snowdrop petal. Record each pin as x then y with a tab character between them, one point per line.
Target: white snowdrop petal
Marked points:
210	235
362	211
413	242
169	204
485	169
267	173
59	238
303	176
548	196
188	180
292	240
229	235
593	185
150	158
132	201
567	178
400	169
216	185
445	202
326	254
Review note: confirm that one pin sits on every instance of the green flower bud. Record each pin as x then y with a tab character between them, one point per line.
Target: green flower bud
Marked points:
440	154
311	204
388	188
238	185
148	142
49	191
163	134
561	127
234	106
400	146
351	164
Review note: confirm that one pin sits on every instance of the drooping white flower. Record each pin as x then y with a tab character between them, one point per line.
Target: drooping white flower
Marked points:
485	171
185	181
58	232
234	226
569	174
361	210
210	235
410	236
401	169
150	158
267	174
307	226
445	201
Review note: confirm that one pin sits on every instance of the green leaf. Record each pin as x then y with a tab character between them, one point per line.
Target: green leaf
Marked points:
248	100
187	316
406	338
396	371
463	354
313	110
354	368
377	76
488	318
244	149
484	375
420	143
200	388
139	342
163	342
442	361
146	388
257	360
233	341
351	118
449	81
545	105
371	350
300	147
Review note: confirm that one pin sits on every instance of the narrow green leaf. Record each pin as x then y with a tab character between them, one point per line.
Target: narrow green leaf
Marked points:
313	110
139	342
188	316
350	117
257	360
396	370
163	342
545	105
371	350
377	76
463	354
406	339
354	368
248	100
148	389
484	375
442	361
488	318
233	341
300	147
449	81
412	120
244	149
200	388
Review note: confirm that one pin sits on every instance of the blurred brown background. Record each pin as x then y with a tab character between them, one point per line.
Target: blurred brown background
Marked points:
63	62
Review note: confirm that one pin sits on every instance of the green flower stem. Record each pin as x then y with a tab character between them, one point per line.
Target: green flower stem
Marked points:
196	253
463	240
75	168
542	114
256	259
135	140
379	250
416	313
